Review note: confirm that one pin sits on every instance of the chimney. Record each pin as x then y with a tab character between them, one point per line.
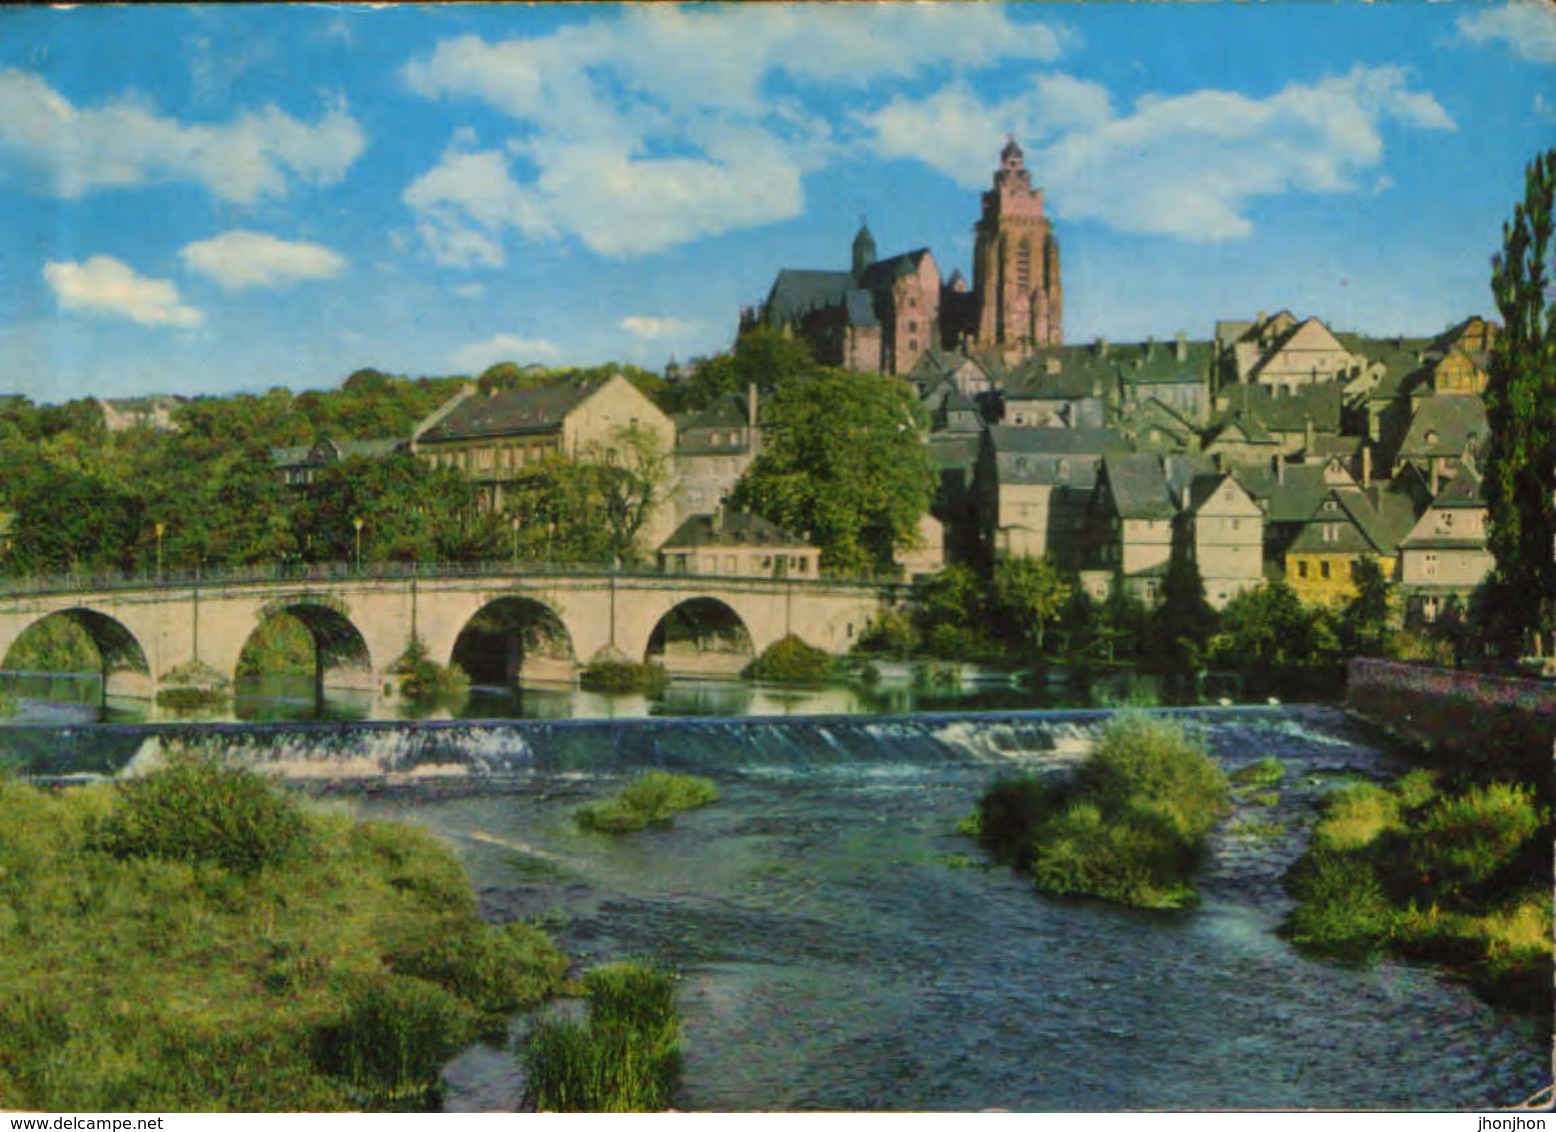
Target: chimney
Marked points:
751	406
1307	433
1280	470
1366	463
718	519
1437	472
1183	346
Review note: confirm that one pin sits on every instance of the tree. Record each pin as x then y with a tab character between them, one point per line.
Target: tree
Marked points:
1029	594
1269	628
1183	623
1364	623
762	356
1520	457
845	462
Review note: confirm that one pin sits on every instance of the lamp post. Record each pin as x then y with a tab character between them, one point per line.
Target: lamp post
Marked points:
357	523
159	528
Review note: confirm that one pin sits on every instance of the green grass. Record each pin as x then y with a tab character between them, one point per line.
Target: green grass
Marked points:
651	798
624	1058
250	954
1129	827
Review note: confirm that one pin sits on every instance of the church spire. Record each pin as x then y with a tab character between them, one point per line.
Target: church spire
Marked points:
864	249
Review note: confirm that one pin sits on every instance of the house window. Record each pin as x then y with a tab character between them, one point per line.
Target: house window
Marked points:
1237	524
1301	569
1331	532
1444	521
1429	565
912	327
1323	569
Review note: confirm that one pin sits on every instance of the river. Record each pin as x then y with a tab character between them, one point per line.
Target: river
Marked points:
840	946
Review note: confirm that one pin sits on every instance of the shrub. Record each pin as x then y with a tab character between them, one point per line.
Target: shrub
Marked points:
606	675
1465	840
1341	904
790	660
394	1039
625	1058
891	631
191	699
196	809
651	798
1134	857
1148	762
1356	816
1009	815
422	678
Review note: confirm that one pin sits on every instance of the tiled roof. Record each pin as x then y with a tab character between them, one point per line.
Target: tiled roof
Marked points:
513	412
881	274
1057	441
1445	425
1466	489
797	291
1138	486
1290	496
1157	363
337	449
1082	372
731	528
1322	402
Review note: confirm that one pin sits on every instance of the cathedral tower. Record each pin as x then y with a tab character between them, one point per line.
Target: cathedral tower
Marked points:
1016	285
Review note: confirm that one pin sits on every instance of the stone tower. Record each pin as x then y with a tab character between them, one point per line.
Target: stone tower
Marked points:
864	249
1018	294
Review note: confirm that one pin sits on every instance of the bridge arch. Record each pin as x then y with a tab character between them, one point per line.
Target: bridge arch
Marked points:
513	639
701	636
121	659
341	656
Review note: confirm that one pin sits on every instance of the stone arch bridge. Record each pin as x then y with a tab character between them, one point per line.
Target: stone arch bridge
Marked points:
542	625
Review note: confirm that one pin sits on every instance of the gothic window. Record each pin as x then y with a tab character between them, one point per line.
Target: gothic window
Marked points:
1024	265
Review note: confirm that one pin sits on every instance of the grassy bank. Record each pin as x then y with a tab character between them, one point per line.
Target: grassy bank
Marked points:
1129	827
652	798
198	941
1458	876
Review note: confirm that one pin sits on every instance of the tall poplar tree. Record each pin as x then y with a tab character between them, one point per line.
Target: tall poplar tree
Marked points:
1520	458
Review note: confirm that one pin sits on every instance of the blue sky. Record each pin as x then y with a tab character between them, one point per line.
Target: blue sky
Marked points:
227	198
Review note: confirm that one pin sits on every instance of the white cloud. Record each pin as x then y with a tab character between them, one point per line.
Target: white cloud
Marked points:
652	326
661	124
104	286
239	259
470	290
72	151
501	348
1187	165
1526	26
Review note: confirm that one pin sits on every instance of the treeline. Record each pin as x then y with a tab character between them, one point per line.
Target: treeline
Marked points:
1029	611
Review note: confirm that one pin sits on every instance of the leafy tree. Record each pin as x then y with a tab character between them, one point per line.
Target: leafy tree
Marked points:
1364	622
845	462
1029	595
1520	458
762	356
66	522
1180	627
1269	628
950	611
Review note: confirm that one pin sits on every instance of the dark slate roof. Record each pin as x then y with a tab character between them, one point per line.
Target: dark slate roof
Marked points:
1182	468
881	274
860	308
731	528
1205	485
1157	363
1138	487
797	291
954	449
1083	372
1466	489
513	412
331	450
1288	497
1322	402
728	410
1400	357
1454	419
1057	441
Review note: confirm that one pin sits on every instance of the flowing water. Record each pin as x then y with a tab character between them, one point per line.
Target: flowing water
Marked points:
840	946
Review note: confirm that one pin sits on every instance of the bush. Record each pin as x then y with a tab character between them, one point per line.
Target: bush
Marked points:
195	809
1129	827
792	661
625	1058
1356	816
422	678
191	699
394	1039
1341	905
623	676
651	798
1467	839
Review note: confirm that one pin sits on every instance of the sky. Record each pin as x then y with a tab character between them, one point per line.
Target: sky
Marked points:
227	198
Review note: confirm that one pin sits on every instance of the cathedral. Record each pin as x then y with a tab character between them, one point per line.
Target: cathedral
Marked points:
882	315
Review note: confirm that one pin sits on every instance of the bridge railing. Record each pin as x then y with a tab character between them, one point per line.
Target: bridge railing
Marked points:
386	571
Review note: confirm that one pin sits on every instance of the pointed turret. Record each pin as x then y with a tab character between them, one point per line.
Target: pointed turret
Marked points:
864	249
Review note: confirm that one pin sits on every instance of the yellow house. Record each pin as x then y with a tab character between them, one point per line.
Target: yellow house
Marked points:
1349	523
